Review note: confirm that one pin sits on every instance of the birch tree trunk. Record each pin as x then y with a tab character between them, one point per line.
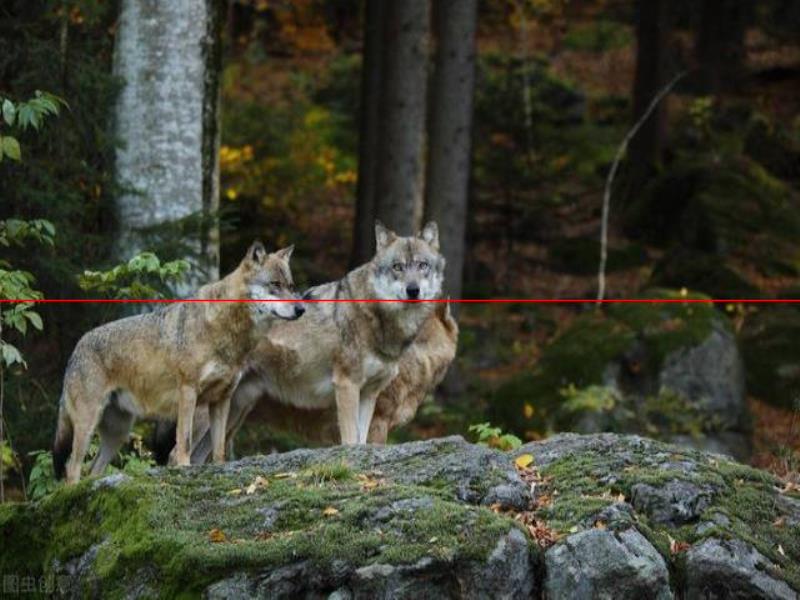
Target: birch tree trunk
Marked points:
369	140
166	117
451	132
401	166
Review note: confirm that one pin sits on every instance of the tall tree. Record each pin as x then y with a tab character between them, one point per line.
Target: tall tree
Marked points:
369	143
401	162
652	28
450	146
168	55
720	43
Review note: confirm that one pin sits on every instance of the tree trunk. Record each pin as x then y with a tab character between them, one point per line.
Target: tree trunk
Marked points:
720	44
369	143
451	132
401	165
652	29
168	55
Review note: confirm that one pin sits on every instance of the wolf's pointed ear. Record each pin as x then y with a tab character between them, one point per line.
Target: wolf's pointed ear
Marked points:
285	253
257	253
430	234
383	236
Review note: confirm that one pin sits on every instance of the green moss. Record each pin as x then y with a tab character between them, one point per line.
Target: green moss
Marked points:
159	526
580	487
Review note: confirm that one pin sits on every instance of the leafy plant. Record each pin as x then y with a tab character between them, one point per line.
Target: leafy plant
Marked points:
42	480
494	437
143	276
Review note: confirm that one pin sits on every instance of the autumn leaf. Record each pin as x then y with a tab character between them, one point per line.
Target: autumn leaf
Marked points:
676	547
330	511
258	483
217	536
523	461
601	525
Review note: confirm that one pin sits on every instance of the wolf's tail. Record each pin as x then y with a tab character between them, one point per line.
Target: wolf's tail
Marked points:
62	445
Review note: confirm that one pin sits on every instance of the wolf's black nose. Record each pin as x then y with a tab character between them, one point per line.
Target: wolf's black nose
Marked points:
299	311
413	291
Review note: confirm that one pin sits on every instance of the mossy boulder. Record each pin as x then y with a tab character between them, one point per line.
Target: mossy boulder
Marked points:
639	517
671	371
771	353
441	518
362	520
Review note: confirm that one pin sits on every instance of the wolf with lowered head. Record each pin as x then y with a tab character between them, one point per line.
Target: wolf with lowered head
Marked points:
343	354
163	364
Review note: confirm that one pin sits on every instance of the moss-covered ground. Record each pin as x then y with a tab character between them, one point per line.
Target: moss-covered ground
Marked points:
745	502
184	530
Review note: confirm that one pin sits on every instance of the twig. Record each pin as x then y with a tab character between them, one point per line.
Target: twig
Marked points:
623	147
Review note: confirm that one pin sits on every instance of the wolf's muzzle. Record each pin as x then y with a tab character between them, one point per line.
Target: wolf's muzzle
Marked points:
412	290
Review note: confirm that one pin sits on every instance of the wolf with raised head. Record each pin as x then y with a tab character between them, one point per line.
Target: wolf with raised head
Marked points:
345	352
165	363
422	367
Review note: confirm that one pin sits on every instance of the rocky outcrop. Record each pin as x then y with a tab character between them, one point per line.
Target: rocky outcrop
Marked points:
671	371
595	516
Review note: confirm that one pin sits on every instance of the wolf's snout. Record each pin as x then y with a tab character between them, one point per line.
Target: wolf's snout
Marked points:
299	310
413	291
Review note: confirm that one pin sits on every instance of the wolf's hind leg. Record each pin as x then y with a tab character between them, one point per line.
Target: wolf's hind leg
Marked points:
115	425
183	436
84	420
218	418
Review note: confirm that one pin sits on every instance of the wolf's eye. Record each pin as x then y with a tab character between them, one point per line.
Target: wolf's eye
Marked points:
423	266
398	267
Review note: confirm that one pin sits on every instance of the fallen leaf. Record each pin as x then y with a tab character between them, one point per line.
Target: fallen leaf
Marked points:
235	492
216	536
258	482
601	525
523	461
779	522
676	547
330	511
284	475
433	540
780	550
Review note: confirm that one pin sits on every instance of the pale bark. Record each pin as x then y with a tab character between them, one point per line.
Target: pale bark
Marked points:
401	165
451	132
369	141
167	55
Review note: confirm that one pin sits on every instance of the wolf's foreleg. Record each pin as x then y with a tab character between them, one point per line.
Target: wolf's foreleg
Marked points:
366	408
218	418
347	409
183	436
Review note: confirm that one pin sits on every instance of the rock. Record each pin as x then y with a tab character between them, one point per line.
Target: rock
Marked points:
712	374
672	371
672	504
630	517
606	564
732	569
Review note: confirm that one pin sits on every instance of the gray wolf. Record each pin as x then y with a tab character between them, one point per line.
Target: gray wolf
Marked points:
422	366
343	354
165	363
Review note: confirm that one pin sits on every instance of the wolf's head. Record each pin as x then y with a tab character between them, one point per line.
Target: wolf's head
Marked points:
408	268
268	278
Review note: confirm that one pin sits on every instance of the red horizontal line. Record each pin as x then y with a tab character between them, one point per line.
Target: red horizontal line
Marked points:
437	300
